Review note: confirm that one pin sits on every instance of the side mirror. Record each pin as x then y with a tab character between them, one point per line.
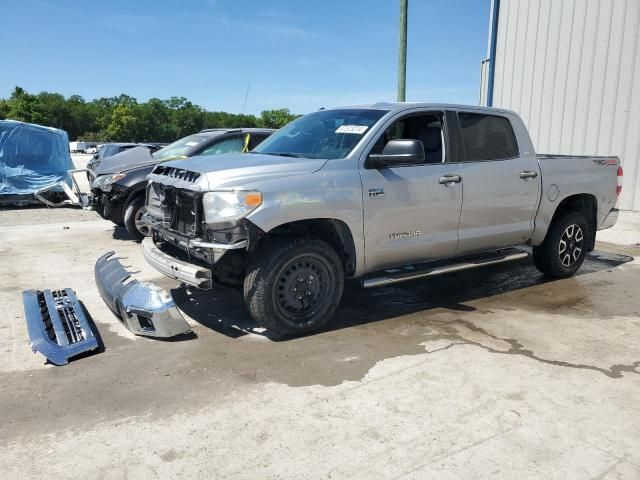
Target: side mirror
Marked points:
397	153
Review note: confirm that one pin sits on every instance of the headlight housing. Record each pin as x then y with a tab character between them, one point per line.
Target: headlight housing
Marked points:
104	182
229	207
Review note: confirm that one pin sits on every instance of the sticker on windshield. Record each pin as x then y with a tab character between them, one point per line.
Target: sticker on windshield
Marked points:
355	129
191	144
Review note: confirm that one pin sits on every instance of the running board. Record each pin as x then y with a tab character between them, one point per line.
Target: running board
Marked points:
403	274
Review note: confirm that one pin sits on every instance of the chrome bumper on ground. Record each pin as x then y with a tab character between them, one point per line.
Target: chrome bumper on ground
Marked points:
143	308
610	220
184	272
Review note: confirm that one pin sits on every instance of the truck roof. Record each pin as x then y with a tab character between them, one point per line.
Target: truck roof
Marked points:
400	106
220	131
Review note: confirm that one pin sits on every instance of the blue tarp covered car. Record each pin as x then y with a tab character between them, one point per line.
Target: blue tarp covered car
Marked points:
31	158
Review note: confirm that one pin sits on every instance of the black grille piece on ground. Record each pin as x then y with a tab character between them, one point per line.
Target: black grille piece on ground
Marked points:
57	325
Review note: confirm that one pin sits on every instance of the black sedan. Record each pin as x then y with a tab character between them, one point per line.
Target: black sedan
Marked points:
119	190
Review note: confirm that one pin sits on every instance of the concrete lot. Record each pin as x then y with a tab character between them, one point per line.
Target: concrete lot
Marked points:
494	373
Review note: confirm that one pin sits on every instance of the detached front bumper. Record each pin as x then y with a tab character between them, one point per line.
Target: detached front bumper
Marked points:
144	308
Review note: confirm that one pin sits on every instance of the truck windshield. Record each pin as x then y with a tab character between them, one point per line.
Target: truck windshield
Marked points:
329	134
179	148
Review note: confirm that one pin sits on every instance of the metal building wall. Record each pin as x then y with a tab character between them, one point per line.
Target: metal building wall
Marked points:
571	69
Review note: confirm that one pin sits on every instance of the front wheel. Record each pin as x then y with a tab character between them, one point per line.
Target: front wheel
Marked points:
564	248
294	285
132	219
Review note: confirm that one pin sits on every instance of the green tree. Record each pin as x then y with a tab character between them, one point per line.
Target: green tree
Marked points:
4	109
22	105
123	125
276	118
123	118
155	122
187	119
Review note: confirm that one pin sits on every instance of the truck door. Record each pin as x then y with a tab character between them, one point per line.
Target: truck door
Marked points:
411	213
501	184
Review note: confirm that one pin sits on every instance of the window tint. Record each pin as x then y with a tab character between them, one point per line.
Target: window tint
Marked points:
487	137
230	145
426	128
256	139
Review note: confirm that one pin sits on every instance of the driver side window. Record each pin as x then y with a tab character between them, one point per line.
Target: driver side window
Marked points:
427	128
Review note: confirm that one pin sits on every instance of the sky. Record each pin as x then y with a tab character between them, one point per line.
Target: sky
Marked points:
301	55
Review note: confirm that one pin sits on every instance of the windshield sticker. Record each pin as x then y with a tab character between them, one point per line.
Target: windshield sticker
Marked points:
191	144
355	129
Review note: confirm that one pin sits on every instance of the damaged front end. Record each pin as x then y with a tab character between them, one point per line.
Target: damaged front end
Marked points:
183	245
144	308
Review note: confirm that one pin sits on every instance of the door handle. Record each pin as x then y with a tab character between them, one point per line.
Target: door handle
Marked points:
449	179
528	174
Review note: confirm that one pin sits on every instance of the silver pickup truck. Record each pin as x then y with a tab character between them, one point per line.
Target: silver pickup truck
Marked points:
385	193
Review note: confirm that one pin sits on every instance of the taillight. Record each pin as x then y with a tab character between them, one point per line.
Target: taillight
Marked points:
619	187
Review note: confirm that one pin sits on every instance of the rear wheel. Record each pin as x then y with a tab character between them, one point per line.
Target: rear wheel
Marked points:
132	219
294	285
564	248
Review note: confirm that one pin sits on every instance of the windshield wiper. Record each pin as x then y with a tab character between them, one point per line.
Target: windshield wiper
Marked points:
283	154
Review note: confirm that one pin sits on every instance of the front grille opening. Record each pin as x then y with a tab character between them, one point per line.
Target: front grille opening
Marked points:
70	321
46	319
145	323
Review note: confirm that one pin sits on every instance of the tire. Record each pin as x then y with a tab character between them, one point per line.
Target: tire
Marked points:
558	255
132	214
280	278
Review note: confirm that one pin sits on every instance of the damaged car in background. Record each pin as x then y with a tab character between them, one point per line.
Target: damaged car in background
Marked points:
119	188
107	150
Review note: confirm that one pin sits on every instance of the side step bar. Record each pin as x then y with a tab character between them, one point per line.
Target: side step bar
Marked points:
403	274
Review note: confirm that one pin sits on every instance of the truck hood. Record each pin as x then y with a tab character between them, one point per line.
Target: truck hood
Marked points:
237	169
132	158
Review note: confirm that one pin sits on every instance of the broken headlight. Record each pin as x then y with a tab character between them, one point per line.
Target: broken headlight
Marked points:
104	182
223	207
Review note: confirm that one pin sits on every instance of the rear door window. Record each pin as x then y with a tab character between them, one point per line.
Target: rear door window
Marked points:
487	137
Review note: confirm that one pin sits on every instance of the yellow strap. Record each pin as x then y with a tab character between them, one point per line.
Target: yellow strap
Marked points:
245	149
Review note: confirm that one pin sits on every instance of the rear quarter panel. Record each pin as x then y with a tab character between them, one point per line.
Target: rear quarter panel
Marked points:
564	176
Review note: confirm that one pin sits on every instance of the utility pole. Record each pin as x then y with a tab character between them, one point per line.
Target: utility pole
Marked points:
402	53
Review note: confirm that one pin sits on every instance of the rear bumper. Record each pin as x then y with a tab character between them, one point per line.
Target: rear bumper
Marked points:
144	308
610	220
194	275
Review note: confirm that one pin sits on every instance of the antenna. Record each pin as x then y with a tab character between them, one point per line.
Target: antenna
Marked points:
246	95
